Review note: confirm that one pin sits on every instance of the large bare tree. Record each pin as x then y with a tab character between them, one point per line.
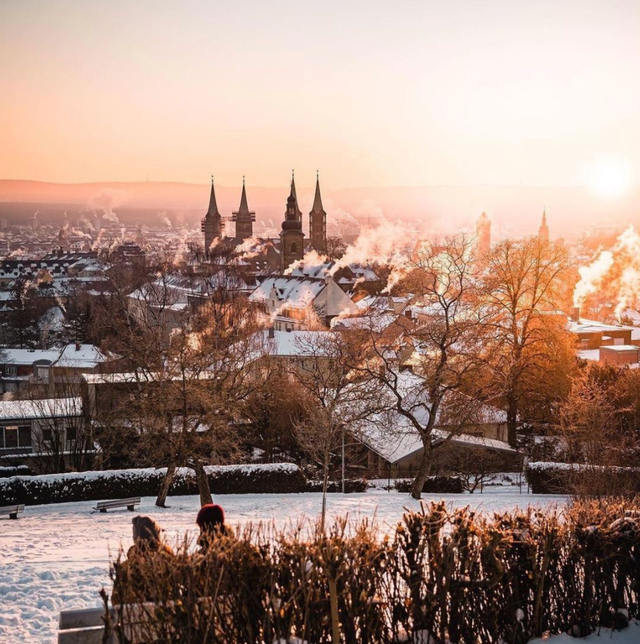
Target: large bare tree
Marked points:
442	347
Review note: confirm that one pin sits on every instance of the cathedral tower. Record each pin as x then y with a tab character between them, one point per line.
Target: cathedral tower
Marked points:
318	222
483	235
244	218
212	222
291	235
543	231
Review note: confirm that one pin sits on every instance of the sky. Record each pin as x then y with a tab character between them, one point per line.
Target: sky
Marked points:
371	93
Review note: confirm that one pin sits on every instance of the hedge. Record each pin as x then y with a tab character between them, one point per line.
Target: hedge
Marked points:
14	470
569	478
117	484
443	575
350	486
434	485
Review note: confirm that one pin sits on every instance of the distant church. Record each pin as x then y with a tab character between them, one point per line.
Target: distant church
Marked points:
292	243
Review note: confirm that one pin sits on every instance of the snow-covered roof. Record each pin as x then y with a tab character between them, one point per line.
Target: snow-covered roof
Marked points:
297	292
45	408
593	326
81	356
295	343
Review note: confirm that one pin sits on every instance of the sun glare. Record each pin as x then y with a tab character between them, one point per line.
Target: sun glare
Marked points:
610	178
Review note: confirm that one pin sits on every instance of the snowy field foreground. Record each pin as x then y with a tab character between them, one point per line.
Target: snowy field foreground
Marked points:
57	556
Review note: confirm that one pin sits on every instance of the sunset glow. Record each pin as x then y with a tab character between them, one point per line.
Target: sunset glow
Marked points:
374	94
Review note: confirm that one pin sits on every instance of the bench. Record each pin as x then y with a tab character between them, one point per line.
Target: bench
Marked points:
130	504
12	510
82	626
86	625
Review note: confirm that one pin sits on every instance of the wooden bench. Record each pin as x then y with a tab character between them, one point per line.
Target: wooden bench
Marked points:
130	504
12	510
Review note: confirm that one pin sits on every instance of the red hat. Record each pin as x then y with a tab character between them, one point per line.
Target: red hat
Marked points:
210	516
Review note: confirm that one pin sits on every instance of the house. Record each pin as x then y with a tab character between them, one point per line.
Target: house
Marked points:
301	302
29	428
394	447
45	367
351	278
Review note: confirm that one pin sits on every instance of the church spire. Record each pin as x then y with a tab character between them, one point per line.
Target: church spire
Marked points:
295	196
318	221
543	231
213	205
243	217
211	225
317	200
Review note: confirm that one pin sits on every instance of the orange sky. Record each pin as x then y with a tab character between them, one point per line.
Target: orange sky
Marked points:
373	93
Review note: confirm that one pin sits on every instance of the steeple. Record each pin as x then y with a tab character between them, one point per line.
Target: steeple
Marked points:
483	235
318	221
243	217
213	205
291	235
543	231
295	196
212	223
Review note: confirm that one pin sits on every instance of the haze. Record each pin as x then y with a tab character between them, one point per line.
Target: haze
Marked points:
373	93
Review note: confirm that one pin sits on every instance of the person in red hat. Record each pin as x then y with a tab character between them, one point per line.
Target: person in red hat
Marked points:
210	520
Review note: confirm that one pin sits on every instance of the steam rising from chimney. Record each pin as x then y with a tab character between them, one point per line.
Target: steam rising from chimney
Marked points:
615	274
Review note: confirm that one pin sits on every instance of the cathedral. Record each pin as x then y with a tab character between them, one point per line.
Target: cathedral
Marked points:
291	244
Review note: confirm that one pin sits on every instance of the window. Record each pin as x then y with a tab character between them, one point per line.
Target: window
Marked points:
72	433
12	370
10	437
584	344
618	341
24	436
47	436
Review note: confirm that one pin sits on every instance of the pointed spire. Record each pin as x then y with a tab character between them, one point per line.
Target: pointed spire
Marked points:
317	200
244	208
213	206
295	196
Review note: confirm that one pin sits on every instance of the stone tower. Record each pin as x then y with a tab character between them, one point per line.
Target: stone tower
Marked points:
244	218
318	222
291	235
483	235
212	222
543	231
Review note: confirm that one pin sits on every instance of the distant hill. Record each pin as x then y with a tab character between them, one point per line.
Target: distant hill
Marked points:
514	210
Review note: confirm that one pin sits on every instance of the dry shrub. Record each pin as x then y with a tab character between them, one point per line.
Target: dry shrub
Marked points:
442	576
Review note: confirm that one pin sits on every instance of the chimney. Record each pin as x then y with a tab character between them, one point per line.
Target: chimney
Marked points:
575	314
77	346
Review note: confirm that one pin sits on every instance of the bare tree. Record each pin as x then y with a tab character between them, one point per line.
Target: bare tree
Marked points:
335	396
192	368
443	350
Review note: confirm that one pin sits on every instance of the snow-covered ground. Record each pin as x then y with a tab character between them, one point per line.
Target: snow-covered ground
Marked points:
57	556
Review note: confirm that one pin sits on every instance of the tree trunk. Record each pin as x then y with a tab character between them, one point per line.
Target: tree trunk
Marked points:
166	484
203	484
424	469
512	420
325	483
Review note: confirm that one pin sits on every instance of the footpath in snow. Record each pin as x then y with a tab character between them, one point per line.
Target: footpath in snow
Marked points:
57	556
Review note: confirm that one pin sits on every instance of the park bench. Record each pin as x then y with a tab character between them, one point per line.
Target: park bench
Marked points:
12	510
130	504
86	625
